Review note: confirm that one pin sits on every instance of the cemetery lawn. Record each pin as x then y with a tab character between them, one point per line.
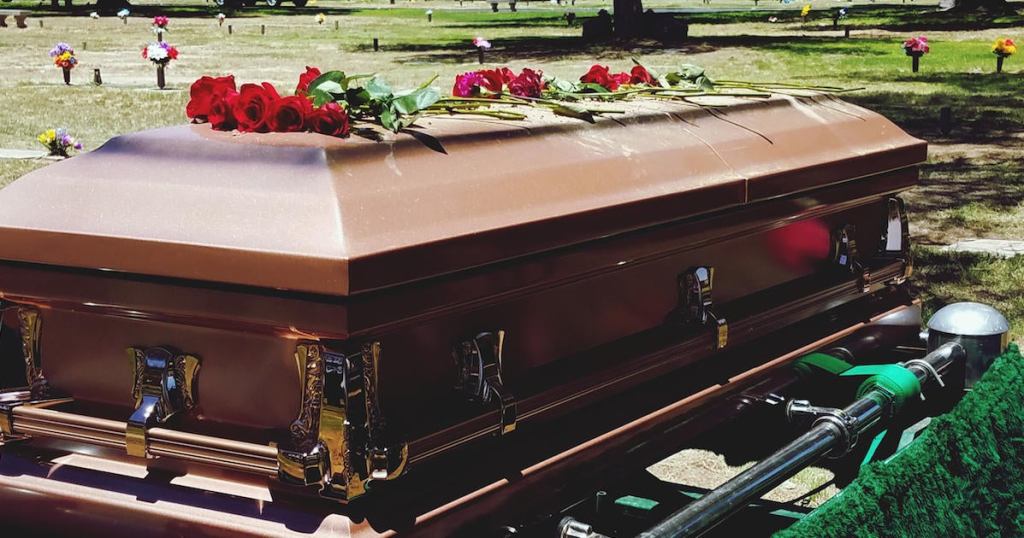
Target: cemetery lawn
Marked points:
972	185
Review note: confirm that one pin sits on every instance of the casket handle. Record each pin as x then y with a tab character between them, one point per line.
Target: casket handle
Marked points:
695	287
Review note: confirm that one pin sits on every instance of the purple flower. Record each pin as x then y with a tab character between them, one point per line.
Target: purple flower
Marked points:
78	145
61	48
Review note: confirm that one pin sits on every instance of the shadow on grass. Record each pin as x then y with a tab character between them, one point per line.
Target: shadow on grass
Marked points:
942	278
555	47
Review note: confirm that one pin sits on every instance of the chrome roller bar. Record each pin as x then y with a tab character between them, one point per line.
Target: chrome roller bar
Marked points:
832	430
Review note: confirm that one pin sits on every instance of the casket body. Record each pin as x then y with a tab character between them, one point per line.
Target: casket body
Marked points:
332	312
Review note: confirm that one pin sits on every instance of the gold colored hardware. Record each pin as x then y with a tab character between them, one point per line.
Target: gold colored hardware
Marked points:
480	368
695	287
339	442
31	325
846	254
165	385
28	418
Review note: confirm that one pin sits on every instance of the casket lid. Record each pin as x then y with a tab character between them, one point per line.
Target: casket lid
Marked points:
310	213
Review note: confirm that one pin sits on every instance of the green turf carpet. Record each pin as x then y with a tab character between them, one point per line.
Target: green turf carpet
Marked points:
963	477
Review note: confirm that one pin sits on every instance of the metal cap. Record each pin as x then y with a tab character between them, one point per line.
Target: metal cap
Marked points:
969	319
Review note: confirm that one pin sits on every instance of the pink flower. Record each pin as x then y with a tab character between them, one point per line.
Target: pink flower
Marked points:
480	42
468	84
160	21
916	44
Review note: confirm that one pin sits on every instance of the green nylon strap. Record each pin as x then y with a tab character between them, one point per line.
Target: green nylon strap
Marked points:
820	362
893	378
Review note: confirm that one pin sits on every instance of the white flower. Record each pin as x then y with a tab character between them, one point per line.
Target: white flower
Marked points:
773	19
221	16
123	13
480	42
94	15
430	12
155	53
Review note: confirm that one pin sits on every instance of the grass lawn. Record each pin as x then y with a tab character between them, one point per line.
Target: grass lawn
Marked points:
972	185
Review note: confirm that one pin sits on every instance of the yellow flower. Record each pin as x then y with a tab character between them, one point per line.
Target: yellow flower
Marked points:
47	136
320	18
1004	47
806	10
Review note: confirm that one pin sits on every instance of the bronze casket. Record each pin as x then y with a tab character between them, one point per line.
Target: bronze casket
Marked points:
334	313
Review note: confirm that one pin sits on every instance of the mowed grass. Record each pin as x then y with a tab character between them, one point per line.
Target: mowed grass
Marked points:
972	185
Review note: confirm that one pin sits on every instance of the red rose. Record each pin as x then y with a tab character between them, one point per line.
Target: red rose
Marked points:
202	95
289	114
493	79
330	119
527	84
252	106
310	75
639	75
599	75
221	115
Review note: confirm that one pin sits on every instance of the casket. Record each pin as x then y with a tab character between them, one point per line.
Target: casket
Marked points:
332	314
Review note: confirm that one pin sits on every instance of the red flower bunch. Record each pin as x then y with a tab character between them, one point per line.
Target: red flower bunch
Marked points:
260	108
601	76
492	82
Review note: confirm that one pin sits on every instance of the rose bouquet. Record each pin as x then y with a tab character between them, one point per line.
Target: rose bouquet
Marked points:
1003	48
64	58
160	53
58	142
329	102
260	108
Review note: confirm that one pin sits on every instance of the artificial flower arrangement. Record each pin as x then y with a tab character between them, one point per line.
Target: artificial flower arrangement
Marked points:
321	18
58	142
916	47
805	11
220	19
160	53
160	23
1003	48
64	58
328	102
123	15
94	15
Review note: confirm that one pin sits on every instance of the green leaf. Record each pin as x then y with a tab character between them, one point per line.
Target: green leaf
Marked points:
417	100
357	97
378	88
690	72
562	85
330	82
590	87
572	111
387	119
320	97
704	83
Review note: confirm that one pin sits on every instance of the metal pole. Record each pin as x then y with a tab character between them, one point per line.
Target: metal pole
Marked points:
703	514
